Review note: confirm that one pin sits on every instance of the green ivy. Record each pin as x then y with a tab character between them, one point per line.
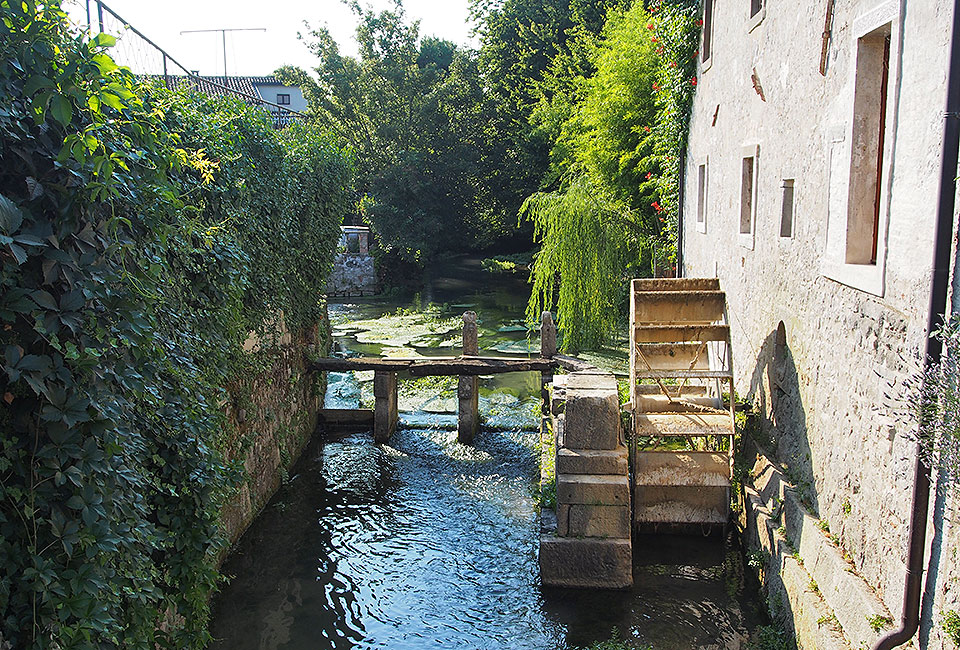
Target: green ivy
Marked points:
143	235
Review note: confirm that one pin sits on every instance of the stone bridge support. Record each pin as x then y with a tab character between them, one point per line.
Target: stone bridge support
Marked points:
590	545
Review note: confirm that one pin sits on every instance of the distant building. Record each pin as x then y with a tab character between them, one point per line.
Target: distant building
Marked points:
354	273
283	102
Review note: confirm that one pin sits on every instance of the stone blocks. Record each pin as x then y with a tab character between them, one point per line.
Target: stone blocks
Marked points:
592	419
591	563
593	521
592	461
592	489
385	405
592	545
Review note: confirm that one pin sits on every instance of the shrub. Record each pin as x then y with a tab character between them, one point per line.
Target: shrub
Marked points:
143	235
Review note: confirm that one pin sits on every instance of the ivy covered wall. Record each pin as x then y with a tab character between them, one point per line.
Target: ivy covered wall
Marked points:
143	236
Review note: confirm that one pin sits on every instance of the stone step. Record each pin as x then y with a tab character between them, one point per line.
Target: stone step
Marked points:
676	284
687	468
681	404
591	563
647	333
682	424
678	307
593	490
592	461
681	504
578	520
672	356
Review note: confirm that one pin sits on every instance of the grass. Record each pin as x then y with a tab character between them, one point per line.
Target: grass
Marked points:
769	637
951	626
879	623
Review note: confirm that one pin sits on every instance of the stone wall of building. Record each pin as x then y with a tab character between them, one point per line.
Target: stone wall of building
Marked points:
352	275
822	346
271	416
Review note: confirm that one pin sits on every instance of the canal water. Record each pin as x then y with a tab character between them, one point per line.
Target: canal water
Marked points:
425	543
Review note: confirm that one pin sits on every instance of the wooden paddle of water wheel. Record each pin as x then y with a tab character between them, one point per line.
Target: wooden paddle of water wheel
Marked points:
681	389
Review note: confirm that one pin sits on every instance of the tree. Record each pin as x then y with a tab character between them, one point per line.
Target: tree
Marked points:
411	108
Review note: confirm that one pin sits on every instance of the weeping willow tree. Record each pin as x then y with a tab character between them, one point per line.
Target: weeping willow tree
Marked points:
618	149
582	238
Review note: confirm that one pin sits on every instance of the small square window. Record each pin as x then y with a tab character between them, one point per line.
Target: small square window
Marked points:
283	99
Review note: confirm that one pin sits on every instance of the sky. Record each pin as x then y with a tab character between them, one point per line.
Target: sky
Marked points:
254	52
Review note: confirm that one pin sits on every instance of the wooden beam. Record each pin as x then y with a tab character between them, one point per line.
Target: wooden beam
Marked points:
346	417
434	366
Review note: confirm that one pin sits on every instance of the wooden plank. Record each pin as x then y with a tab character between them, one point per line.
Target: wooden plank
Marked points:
672	356
680	333
682	424
678	306
572	364
346	417
681	374
676	284
435	365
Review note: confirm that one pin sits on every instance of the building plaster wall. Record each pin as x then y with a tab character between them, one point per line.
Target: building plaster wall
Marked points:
828	398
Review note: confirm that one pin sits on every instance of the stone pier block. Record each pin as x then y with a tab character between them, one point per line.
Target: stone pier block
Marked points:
589	489
592	419
592	461
591	563
598	521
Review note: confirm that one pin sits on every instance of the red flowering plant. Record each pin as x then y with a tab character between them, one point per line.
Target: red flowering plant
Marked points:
676	33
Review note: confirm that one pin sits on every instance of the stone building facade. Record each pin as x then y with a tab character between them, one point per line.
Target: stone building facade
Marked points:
811	185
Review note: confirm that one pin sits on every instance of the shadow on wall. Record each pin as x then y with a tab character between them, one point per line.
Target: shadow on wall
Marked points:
775	390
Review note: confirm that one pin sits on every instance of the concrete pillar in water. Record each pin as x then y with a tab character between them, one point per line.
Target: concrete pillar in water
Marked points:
468	418
385	407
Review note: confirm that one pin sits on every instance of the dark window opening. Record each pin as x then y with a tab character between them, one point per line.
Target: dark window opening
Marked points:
707	30
283	99
786	209
746	196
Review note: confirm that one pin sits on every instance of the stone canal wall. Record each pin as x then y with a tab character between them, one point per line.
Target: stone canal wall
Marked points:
270	418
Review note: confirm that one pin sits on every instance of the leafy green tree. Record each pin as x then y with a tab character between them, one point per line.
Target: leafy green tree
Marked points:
620	132
411	108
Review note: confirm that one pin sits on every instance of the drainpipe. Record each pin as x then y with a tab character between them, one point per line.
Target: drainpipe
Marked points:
910	620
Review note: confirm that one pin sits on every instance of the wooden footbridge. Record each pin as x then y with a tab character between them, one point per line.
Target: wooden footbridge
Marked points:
676	472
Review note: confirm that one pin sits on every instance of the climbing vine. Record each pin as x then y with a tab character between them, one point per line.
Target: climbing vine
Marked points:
619	155
143	235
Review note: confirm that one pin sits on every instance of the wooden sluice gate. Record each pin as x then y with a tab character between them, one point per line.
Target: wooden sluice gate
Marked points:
681	403
469	367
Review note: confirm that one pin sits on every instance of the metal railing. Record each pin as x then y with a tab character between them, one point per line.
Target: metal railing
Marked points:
145	58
